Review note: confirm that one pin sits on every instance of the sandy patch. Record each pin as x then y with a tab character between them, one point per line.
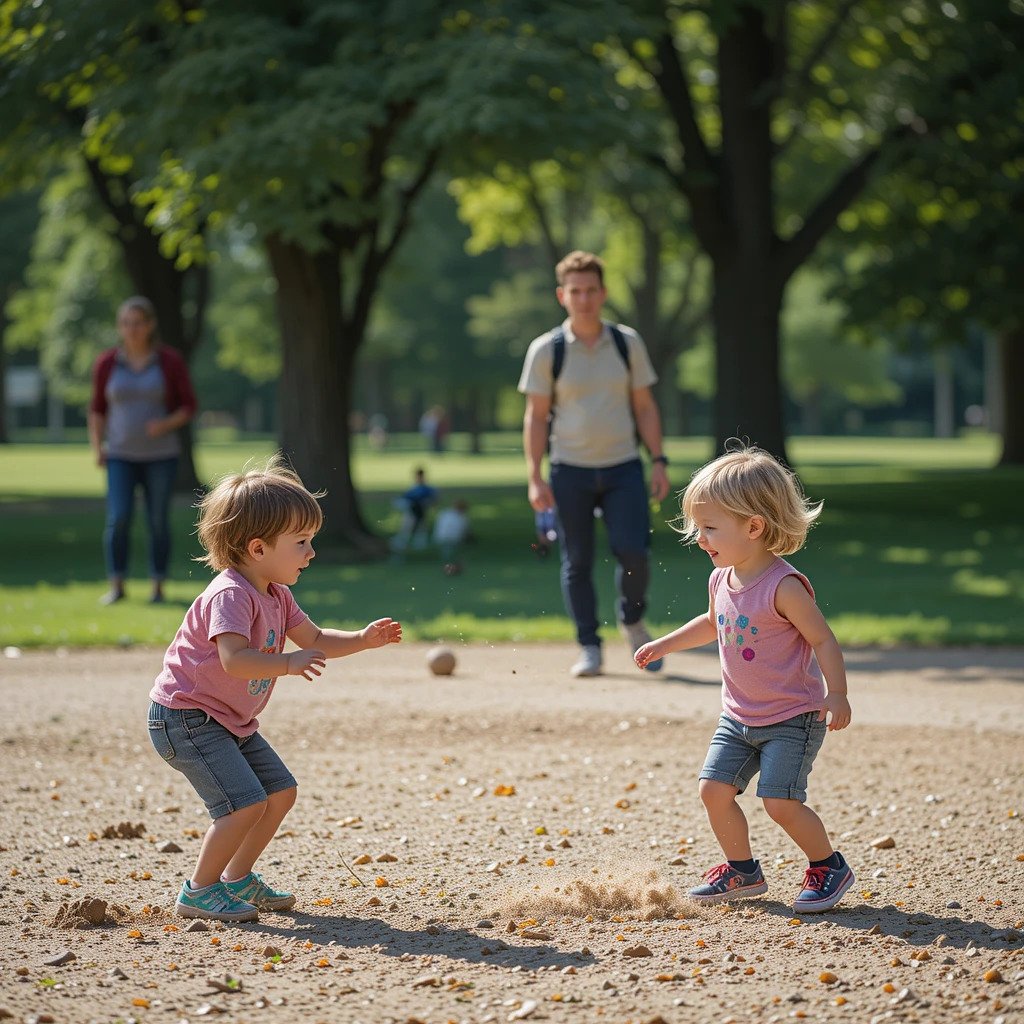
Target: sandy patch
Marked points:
525	842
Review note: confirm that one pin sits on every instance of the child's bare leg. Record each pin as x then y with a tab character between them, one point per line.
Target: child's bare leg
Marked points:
802	825
259	835
726	818
222	840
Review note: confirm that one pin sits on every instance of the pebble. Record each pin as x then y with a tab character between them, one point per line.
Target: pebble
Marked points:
485	923
198	926
168	846
524	1011
60	959
953	905
883	843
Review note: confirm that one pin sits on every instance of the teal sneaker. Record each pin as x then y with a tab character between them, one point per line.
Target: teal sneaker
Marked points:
213	903
254	890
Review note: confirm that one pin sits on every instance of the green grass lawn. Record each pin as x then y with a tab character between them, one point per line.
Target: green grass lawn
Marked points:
920	543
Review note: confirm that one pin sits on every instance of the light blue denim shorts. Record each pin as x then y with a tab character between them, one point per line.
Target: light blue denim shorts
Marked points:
783	753
228	772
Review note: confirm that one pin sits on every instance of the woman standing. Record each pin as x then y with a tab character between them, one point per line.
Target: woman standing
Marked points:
141	395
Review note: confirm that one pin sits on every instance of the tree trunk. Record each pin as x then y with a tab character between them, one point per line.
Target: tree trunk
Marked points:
317	369
748	395
1011	345
4	439
944	394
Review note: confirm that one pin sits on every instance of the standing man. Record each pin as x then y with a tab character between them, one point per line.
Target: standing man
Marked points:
588	384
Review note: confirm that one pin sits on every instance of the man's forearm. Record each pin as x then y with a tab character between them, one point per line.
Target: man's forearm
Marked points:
535	443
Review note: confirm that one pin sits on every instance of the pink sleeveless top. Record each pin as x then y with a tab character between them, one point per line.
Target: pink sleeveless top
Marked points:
769	672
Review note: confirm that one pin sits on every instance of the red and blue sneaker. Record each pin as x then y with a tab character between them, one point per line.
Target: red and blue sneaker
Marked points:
824	888
724	882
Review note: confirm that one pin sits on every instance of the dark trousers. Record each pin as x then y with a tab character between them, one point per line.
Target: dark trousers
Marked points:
156	479
621	495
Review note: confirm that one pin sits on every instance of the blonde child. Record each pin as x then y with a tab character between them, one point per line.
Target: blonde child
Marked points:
745	511
220	670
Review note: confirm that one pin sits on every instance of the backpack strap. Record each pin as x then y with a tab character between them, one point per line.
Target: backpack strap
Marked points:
620	343
558	355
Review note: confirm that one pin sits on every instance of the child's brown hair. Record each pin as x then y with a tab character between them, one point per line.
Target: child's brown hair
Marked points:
263	503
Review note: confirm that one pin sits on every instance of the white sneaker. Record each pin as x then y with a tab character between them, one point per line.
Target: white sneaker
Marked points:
636	636
588	663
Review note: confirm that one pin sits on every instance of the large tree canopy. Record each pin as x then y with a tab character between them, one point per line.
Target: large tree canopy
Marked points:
940	250
774	116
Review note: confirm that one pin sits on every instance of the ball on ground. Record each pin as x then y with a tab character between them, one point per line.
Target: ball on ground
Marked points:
441	661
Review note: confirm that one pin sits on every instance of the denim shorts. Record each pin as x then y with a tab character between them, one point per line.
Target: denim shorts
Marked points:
228	772
783	753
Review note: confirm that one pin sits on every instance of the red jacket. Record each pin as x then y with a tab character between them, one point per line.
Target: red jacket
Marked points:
178	394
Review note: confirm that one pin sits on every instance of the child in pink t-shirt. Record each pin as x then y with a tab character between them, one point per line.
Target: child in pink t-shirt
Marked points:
220	670
746	510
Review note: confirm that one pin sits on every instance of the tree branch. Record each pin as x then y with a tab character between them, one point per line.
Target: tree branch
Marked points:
802	78
699	181
798	248
376	259
555	250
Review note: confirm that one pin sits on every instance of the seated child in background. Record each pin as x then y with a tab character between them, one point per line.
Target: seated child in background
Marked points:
451	530
745	510
220	670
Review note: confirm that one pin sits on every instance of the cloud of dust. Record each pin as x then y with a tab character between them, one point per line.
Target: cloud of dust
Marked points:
630	897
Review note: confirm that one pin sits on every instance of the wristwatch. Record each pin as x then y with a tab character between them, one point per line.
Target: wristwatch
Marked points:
663	459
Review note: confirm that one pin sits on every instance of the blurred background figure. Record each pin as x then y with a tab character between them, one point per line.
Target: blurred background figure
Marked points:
451	531
141	395
435	427
377	431
415	504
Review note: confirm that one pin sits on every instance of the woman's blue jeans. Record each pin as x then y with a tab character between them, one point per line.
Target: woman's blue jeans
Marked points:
156	479
621	495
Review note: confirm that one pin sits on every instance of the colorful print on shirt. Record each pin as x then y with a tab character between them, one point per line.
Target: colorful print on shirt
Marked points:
258	686
739	634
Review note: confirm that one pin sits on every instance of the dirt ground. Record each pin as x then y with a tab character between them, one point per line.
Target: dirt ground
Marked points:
525	841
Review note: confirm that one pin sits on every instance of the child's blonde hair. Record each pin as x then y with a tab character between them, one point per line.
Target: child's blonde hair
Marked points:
264	503
747	481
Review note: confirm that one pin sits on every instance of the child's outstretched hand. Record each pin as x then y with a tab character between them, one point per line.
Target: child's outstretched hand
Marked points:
839	706
381	632
648	652
306	663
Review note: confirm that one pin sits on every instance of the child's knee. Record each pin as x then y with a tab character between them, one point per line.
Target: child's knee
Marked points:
284	799
716	794
781	810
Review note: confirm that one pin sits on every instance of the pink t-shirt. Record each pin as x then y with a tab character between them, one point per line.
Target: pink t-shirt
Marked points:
193	677
769	672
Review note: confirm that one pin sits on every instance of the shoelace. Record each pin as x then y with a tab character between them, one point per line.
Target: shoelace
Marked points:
815	878
717	872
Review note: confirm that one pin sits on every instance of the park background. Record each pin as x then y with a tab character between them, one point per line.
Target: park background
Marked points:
346	215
